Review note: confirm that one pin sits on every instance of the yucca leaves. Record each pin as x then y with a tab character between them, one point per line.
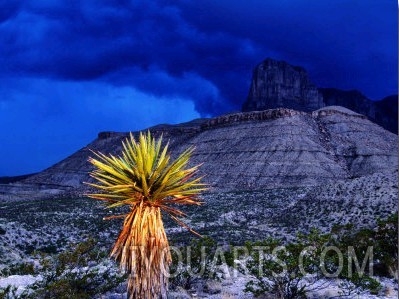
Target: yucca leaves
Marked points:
144	168
145	178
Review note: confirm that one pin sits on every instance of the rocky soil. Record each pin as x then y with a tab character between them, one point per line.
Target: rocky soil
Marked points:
51	225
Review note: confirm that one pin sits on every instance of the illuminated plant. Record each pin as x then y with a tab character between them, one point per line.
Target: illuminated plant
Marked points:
146	179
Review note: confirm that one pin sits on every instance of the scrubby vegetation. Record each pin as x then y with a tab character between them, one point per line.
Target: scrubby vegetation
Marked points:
81	272
51	226
293	270
194	263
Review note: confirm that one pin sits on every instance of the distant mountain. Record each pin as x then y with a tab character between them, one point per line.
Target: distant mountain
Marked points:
276	148
278	84
383	112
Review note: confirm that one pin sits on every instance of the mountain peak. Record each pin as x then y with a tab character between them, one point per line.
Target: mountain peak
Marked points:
277	84
273	63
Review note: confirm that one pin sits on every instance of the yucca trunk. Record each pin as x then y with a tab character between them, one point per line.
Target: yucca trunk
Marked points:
142	250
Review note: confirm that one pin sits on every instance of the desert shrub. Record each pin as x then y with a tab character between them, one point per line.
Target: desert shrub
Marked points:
77	273
292	270
49	249
8	292
196	262
386	239
383	240
279	269
18	269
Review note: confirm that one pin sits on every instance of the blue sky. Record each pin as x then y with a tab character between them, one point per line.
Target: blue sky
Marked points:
70	69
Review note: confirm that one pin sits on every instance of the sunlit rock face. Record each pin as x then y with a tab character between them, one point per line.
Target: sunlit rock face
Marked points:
277	84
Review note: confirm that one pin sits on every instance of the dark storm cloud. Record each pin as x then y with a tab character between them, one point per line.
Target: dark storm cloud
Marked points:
86	42
59	59
339	42
8	10
345	44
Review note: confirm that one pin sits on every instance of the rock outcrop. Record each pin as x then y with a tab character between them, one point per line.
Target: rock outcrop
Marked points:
277	84
256	150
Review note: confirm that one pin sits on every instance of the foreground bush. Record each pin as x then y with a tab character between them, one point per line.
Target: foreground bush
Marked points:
82	272
194	263
292	270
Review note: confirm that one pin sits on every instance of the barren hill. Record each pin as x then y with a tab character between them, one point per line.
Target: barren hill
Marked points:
275	148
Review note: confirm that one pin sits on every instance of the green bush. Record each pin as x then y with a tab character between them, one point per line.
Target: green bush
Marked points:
383	240
8	292
386	238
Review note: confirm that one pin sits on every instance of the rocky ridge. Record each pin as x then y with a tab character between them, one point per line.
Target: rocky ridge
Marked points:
247	151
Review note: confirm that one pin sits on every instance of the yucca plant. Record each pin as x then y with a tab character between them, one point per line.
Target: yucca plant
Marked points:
146	179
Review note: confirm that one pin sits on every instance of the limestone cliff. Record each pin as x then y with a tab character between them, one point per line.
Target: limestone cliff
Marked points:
277	84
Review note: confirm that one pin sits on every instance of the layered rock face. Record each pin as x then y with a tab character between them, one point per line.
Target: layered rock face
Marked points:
277	84
257	150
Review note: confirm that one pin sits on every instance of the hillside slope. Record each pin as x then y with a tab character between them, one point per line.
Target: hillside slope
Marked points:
249	151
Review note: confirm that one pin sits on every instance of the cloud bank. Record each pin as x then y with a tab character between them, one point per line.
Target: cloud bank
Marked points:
71	69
